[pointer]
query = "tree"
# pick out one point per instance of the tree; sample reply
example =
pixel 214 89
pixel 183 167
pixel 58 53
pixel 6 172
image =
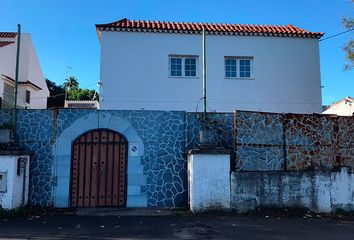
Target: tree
pixel 74 92
pixel 71 82
pixel 56 95
pixel 82 94
pixel 348 23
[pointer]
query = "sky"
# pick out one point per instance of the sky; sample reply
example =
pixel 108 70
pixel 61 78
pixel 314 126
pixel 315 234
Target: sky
pixel 65 37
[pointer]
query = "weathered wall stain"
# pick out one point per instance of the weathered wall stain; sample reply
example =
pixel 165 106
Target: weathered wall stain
pixel 318 190
pixel 270 141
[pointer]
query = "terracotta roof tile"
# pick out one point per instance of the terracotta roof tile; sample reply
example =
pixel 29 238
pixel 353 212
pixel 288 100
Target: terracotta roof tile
pixel 8 34
pixel 5 43
pixel 210 28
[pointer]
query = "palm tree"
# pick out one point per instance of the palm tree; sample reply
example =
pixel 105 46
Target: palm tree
pixel 71 82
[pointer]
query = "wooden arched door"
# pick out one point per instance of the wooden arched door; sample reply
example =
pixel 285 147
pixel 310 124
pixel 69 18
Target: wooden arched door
pixel 98 171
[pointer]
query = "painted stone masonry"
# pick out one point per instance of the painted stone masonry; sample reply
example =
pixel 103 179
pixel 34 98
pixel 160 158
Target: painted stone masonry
pixel 156 170
pixel 282 160
pixel 270 141
pixel 159 140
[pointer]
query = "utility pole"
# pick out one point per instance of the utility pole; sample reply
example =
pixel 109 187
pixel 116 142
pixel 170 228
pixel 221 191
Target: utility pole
pixel 14 114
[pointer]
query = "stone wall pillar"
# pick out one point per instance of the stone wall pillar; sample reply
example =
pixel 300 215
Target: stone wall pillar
pixel 209 180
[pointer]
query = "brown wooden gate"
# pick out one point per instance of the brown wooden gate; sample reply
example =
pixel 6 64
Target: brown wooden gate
pixel 98 177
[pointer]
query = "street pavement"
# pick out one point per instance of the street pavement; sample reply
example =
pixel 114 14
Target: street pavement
pixel 69 225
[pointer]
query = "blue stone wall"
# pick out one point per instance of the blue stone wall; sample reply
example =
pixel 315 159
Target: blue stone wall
pixel 163 135
pixel 219 129
pixel 166 135
pixel 5 116
pixel 35 131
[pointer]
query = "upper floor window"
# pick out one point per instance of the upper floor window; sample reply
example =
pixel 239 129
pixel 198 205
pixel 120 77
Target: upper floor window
pixel 28 96
pixel 183 66
pixel 238 67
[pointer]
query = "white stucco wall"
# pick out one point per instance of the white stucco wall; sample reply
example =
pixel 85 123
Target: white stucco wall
pixel 342 108
pixel 7 61
pixel 135 75
pixel 29 70
pixel 35 75
pixel 209 182
pixel 12 198
pixel 319 191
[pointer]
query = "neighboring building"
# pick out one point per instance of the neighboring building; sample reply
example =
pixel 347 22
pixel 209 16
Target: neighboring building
pixel 86 104
pixel 32 89
pixel 344 107
pixel 156 65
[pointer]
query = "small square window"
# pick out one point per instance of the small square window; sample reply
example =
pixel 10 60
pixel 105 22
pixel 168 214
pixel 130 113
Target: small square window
pixel 238 67
pixel 183 66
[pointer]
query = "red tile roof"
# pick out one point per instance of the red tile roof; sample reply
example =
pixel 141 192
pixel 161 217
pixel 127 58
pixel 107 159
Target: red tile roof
pixel 8 34
pixel 5 43
pixel 210 28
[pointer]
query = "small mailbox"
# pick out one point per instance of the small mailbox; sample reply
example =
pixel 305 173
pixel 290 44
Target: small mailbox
pixel 3 182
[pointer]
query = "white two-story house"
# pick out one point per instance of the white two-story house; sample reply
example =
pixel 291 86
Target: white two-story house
pixel 32 89
pixel 157 65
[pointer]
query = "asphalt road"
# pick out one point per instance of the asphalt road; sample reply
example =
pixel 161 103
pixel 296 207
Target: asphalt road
pixel 62 226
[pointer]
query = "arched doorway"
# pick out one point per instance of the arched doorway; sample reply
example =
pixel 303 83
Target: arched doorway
pixel 98 171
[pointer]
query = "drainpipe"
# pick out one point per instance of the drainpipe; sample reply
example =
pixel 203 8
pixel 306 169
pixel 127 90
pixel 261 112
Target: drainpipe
pixel 202 132
pixel 204 73
pixel 14 114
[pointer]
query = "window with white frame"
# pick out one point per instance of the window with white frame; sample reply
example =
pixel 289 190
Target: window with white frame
pixel 239 67
pixel 183 66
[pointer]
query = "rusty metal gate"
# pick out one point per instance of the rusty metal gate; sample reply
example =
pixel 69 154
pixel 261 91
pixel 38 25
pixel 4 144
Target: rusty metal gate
pixel 98 171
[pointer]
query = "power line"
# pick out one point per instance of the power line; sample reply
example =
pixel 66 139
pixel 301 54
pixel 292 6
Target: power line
pixel 335 35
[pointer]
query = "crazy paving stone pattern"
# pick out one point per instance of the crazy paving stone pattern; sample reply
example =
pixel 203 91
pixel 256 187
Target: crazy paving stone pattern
pixel 35 132
pixel 219 129
pixel 163 135
pixel 259 141
pixel 308 141
pixel 268 141
pixel 5 116
pixel 343 132
pixel 262 140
